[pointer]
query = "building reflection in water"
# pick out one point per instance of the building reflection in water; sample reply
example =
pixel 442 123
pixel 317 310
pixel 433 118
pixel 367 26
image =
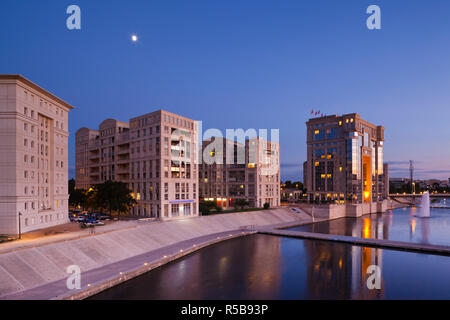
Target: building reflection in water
pixel 412 229
pixel 337 271
pixel 374 226
pixel 242 269
pixel 425 227
pixel 270 267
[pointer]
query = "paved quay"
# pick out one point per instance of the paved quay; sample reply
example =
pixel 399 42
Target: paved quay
pixel 37 269
pixel 377 243
pixel 63 232
pixel 27 270
pixel 97 280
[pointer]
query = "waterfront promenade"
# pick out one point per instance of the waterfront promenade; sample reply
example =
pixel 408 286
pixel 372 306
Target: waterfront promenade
pixel 38 271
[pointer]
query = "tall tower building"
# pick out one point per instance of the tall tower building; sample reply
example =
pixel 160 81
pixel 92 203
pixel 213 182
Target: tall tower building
pixel 34 160
pixel 154 154
pixel 345 160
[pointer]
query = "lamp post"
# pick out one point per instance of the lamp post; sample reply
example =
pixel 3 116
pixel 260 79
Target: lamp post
pixel 20 230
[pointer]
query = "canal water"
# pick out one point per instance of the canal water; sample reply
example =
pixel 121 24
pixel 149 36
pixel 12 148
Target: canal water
pixel 271 267
pixel 401 225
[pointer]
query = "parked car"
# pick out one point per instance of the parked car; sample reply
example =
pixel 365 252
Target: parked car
pixel 80 218
pixel 104 217
pixel 90 220
pixel 100 216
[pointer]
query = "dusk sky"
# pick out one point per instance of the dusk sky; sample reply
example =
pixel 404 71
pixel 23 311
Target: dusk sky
pixel 246 64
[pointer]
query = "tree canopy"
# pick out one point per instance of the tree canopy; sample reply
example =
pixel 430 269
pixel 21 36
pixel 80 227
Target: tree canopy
pixel 113 196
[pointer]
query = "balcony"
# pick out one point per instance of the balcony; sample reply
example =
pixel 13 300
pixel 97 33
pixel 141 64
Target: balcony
pixel 94 155
pixel 123 150
pixel 123 170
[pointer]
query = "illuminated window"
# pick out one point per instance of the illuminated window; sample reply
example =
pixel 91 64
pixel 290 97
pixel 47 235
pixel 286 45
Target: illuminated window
pixel 316 132
pixel 340 169
pixel 316 164
pixel 346 120
pixel 340 123
pixel 322 176
pixel 351 120
pixel 251 165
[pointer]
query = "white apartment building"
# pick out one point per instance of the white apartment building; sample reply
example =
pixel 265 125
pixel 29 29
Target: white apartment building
pixel 34 158
pixel 154 154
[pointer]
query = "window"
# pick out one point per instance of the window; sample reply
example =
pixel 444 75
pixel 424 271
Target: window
pixel 166 210
pixel 175 210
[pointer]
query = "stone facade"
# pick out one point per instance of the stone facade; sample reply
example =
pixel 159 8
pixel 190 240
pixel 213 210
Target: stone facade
pixel 34 162
pixel 154 154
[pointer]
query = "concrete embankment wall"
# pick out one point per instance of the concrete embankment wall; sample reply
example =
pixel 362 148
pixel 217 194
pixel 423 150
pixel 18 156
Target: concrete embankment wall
pixel 35 266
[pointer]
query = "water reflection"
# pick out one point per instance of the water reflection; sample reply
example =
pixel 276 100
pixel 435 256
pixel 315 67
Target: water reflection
pixel 336 271
pixel 425 227
pixel 269 267
pixel 402 225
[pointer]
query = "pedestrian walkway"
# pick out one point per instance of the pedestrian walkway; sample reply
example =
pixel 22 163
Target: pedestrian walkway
pixel 64 232
pixel 97 280
pixel 377 243
pixel 36 263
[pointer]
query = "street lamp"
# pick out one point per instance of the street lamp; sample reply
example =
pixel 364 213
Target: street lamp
pixel 20 230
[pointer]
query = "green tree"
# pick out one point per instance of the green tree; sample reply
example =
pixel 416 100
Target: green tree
pixel 71 185
pixel 293 185
pixel 115 196
pixel 93 201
